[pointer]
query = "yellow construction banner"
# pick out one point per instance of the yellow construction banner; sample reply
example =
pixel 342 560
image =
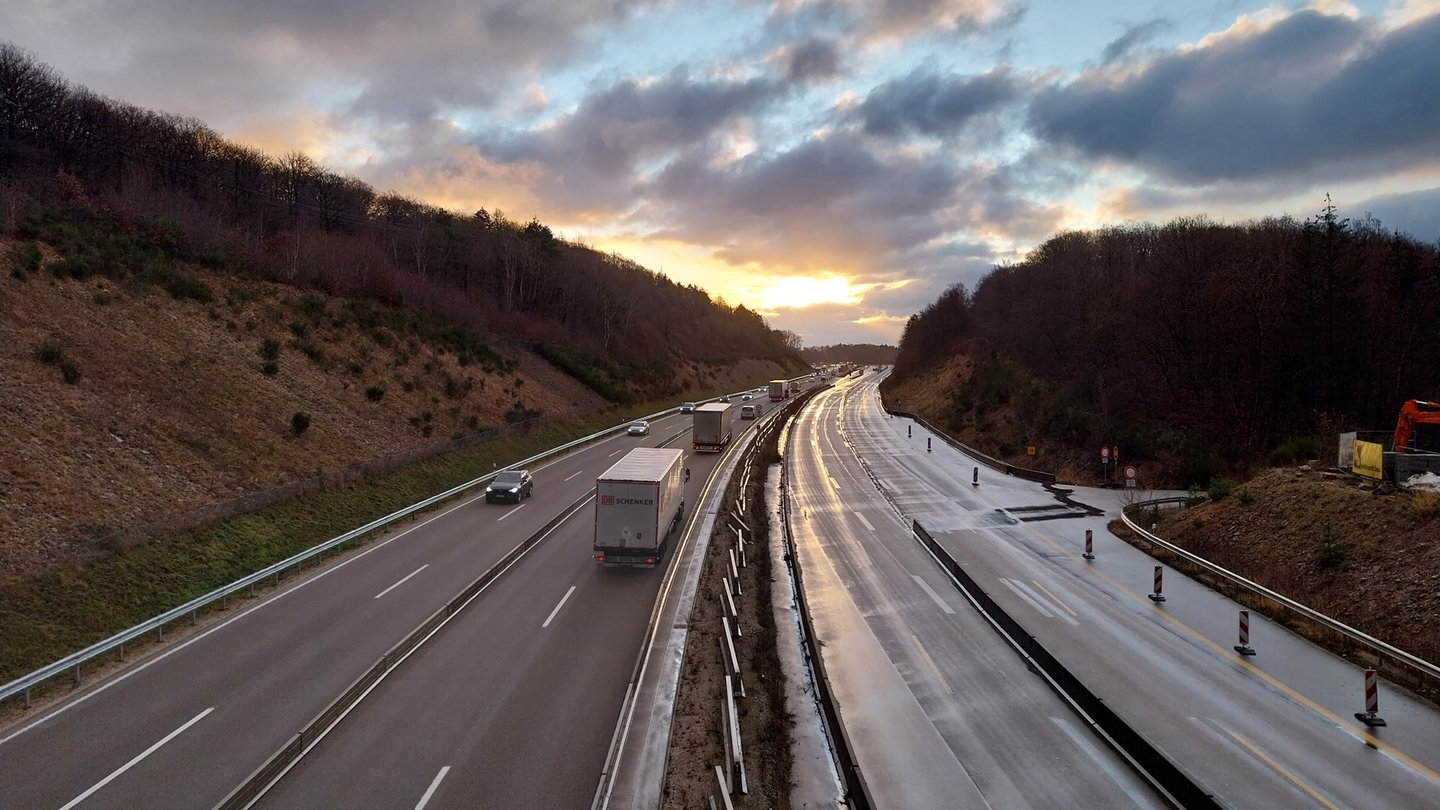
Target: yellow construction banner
pixel 1369 459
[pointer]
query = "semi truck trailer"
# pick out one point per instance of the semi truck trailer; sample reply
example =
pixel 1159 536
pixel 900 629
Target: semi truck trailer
pixel 710 432
pixel 777 390
pixel 639 502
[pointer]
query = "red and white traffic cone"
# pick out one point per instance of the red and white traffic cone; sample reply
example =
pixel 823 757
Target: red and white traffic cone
pixel 1244 647
pixel 1089 545
pixel 1372 702
pixel 1157 596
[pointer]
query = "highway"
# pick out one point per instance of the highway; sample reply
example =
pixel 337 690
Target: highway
pixel 943 712
pixel 184 726
pixel 1275 730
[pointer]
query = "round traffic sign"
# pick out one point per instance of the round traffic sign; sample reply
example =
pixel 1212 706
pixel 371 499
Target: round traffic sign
pixel 1130 472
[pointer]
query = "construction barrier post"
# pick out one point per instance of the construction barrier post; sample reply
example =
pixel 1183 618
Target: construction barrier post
pixel 1372 702
pixel 1089 544
pixel 1157 596
pixel 908 429
pixel 1244 647
pixel 975 477
pixel 927 444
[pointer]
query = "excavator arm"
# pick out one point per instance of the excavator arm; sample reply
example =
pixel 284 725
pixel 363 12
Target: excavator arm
pixel 1413 413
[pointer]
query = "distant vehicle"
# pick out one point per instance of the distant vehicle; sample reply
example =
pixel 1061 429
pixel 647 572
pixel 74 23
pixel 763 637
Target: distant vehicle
pixel 747 412
pixel 723 398
pixel 745 397
pixel 711 428
pixel 639 502
pixel 510 485
pixel 638 428
pixel 777 390
pixel 687 407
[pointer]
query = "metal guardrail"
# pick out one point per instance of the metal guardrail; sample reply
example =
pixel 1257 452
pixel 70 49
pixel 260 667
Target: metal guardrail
pixel 75 661
pixel 1038 476
pixel 1375 644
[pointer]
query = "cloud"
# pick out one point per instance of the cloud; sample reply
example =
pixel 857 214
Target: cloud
pixel 1305 93
pixel 1132 40
pixel 926 103
pixel 601 150
pixel 1416 213
pixel 814 59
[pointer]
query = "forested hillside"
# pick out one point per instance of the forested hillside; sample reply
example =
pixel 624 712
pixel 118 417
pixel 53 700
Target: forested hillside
pixel 861 353
pixel 102 181
pixel 1205 344
pixel 189 328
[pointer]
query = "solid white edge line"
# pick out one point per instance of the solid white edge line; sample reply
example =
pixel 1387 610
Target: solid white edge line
pixel 1101 761
pixel 510 512
pixel 923 584
pixel 572 475
pixel 402 580
pixel 138 668
pixel 132 763
pixel 434 785
pixel 563 600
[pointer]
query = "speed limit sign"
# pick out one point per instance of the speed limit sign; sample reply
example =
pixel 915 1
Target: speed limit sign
pixel 1130 475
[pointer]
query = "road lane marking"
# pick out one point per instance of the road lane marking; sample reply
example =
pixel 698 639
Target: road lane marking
pixel 1015 588
pixel 1278 768
pixel 571 475
pixel 618 452
pixel 1295 694
pixel 1102 762
pixel 1054 598
pixel 932 593
pixel 430 792
pixel 136 761
pixel 509 513
pixel 563 599
pixel 129 673
pixel 402 580
pixel 863 520
pixel 1038 598
pixel 931 662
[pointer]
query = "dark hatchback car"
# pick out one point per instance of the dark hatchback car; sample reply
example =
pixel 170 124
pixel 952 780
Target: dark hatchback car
pixel 510 485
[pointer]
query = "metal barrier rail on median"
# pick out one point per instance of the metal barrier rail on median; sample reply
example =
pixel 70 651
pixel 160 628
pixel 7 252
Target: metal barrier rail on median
pixel 117 642
pixel 263 777
pixel 1149 762
pixel 1379 647
pixel 1038 476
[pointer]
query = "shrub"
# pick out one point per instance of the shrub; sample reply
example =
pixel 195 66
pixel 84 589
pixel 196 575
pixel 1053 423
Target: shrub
pixel 182 286
pixel 270 349
pixel 270 369
pixel 1246 496
pixel 48 352
pixel 1328 552
pixel 1219 488
pixel 299 422
pixel 1426 502
pixel 25 260
pixel 375 393
pixel 70 372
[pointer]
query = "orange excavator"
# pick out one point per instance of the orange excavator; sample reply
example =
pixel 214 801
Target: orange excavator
pixel 1418 427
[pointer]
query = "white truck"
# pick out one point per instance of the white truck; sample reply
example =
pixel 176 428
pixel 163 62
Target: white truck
pixel 777 390
pixel 710 432
pixel 638 505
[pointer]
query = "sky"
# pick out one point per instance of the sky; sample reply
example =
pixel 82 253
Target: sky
pixel 831 164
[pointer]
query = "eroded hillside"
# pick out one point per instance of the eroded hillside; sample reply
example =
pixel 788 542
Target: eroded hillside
pixel 123 404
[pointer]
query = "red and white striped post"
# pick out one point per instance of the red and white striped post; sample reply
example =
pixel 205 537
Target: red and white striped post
pixel 1089 545
pixel 1372 702
pixel 1244 647
pixel 1157 596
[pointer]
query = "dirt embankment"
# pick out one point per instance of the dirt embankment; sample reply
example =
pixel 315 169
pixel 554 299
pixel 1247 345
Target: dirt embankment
pixel 1331 542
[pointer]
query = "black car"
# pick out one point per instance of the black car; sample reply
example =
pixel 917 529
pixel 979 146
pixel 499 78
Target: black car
pixel 510 485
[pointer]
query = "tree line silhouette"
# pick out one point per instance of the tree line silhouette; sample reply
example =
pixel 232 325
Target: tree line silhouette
pixel 68 155
pixel 1232 339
